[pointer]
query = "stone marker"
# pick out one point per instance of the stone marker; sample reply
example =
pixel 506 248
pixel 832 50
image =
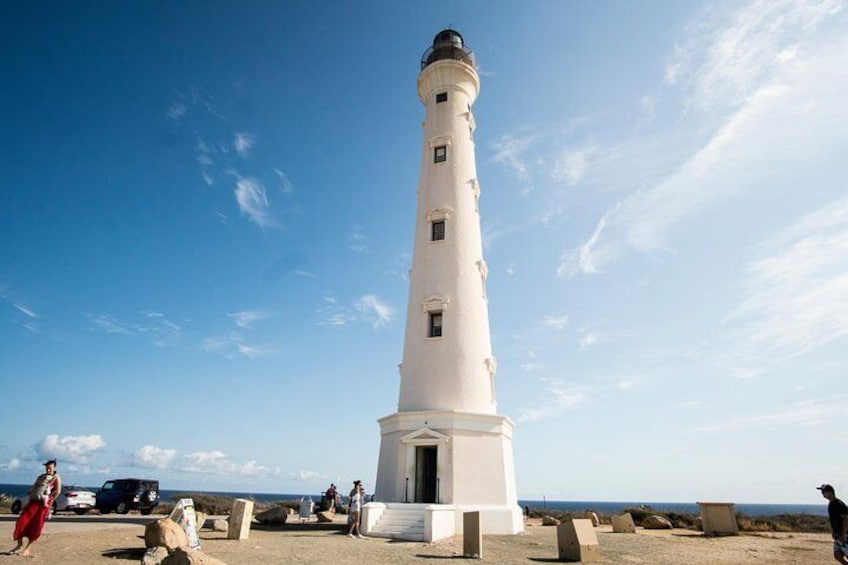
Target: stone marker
pixel 240 517
pixel 594 518
pixel 472 535
pixel 165 533
pixel 326 516
pixel 718 519
pixel 549 521
pixel 576 541
pixel 623 524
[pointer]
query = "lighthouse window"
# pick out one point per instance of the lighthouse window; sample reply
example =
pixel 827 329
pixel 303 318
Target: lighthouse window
pixel 441 97
pixel 440 154
pixel 437 231
pixel 435 324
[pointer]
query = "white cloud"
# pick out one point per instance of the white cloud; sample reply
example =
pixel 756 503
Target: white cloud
pixel 246 318
pixel 243 143
pixel 807 413
pixel 217 463
pixel 176 110
pixel 559 397
pixel 358 240
pixel 76 449
pixel 285 183
pixel 572 164
pixel 307 476
pixel 530 367
pixel 375 310
pixel 509 151
pixel 235 344
pixel 587 340
pixel 253 201
pixel 26 310
pixel 151 456
pixel 108 324
pixel 555 322
pixel 11 465
pixel 797 288
pixel 780 118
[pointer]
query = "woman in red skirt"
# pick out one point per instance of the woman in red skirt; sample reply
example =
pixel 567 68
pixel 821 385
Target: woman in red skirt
pixel 31 521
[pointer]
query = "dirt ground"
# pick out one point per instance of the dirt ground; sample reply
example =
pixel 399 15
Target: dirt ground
pixel 76 542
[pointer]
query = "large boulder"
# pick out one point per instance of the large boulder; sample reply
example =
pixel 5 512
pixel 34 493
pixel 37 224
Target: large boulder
pixel 325 516
pixel 154 556
pixel 220 525
pixel 274 516
pixel 549 521
pixel 165 533
pixel 655 522
pixel 190 557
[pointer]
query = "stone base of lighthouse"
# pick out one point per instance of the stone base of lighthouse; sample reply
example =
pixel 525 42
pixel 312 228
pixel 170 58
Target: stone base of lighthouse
pixel 447 462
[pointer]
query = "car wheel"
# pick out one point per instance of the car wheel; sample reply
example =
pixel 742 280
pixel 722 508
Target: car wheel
pixel 146 511
pixel 121 508
pixel 149 496
pixel 16 507
pixel 80 511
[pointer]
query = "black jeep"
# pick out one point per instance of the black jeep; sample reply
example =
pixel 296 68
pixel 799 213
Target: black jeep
pixel 123 495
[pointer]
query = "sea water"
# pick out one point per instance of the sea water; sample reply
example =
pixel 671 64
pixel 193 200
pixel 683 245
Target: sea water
pixel 575 506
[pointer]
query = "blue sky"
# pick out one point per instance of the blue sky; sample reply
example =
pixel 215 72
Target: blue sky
pixel 207 223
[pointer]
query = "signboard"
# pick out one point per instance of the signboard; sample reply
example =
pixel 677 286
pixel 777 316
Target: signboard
pixel 184 515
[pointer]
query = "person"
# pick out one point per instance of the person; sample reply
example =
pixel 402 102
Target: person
pixel 838 514
pixel 44 490
pixel 355 507
pixel 330 498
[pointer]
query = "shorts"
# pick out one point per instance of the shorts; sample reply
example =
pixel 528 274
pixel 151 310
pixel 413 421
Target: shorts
pixel 840 547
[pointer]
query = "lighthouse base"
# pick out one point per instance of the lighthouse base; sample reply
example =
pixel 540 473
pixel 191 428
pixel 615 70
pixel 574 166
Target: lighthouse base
pixel 453 461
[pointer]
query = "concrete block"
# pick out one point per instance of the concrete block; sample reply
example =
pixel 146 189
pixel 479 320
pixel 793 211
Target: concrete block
pixel 718 519
pixel 623 524
pixel 577 541
pixel 472 535
pixel 240 517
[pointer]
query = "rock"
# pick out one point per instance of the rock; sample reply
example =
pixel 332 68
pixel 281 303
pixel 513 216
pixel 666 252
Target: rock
pixel 220 525
pixel 274 516
pixel 594 518
pixel 165 533
pixel 655 522
pixel 549 521
pixel 325 516
pixel 191 557
pixel 290 511
pixel 154 555
pixel 201 519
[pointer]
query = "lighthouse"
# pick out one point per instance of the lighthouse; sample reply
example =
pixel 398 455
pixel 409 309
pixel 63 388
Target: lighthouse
pixel 446 450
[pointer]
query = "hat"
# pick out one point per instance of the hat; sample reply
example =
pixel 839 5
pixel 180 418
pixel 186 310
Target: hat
pixel 49 462
pixel 826 487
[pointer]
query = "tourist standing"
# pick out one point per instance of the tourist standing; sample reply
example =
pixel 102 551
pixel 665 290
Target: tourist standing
pixel 44 490
pixel 838 514
pixel 330 498
pixel 354 509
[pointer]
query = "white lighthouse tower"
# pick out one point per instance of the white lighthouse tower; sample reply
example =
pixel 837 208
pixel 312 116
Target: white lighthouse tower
pixel 446 450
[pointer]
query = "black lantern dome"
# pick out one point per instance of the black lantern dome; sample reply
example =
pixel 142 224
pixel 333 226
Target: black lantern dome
pixel 448 44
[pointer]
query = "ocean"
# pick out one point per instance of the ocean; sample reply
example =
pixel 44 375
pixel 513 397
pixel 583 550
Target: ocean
pixel 604 507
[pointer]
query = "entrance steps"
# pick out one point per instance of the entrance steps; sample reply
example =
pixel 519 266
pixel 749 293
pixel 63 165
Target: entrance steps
pixel 400 521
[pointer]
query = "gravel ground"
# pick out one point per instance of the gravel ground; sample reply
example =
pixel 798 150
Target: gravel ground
pixel 76 542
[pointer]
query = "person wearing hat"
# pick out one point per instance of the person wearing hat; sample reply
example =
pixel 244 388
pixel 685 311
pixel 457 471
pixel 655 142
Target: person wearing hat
pixel 838 514
pixel 44 490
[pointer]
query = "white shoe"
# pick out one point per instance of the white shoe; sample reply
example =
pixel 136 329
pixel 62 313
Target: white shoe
pixel 360 536
pixel 350 535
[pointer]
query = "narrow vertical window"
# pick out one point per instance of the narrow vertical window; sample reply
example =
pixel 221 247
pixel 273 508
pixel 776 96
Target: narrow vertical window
pixel 441 97
pixel 437 231
pixel 435 324
pixel 440 154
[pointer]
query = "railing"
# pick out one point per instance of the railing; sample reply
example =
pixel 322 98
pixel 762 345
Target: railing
pixel 406 491
pixel 433 54
pixel 438 498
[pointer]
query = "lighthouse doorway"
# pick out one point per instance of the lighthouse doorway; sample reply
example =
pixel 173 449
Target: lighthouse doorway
pixel 426 482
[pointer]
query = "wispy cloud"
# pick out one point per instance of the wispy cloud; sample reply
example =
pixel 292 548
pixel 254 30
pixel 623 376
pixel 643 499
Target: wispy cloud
pixel 555 322
pixel 11 465
pixel 253 202
pixel 572 164
pixel 243 143
pixel 76 449
pixel 150 456
pixel 176 110
pixel 110 325
pixel 285 184
pixel 510 152
pixel 797 288
pixel 808 413
pixel 374 310
pixel 559 397
pixel 234 345
pixel 307 476
pixel 587 340
pixel 357 240
pixel 773 86
pixel 246 318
